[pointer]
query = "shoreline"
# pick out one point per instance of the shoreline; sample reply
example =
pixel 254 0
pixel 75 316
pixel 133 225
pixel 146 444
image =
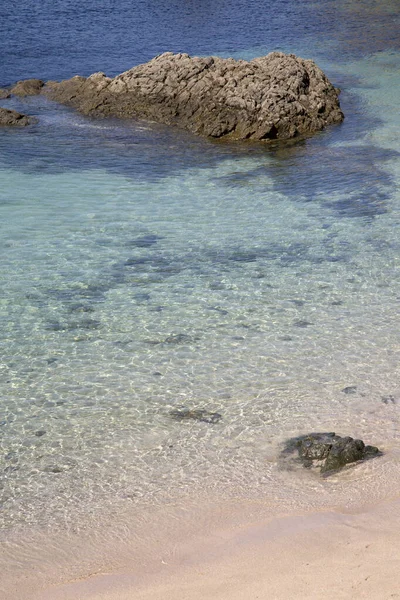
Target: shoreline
pixel 352 554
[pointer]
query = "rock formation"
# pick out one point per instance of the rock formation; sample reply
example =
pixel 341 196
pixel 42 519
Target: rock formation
pixel 27 87
pixel 327 451
pixel 278 96
pixel 12 118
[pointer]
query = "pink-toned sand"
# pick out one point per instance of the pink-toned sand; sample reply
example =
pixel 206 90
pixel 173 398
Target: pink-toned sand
pixel 315 556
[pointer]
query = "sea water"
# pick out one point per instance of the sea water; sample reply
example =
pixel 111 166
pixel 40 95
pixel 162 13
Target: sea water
pixel 144 270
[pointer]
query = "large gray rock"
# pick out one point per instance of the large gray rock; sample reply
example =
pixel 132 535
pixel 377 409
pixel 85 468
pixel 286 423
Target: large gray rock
pixel 327 451
pixel 12 118
pixel 278 96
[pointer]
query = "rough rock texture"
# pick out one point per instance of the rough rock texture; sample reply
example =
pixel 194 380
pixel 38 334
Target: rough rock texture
pixel 4 93
pixel 27 87
pixel 328 451
pixel 11 118
pixel 277 96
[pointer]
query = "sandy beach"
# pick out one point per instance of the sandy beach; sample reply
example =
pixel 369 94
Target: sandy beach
pixel 326 554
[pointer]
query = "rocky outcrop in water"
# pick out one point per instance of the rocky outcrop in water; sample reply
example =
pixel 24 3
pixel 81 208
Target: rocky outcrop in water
pixel 4 93
pixel 12 118
pixel 278 96
pixel 27 87
pixel 327 451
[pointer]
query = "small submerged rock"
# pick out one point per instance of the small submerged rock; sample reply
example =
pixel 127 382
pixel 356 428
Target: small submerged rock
pixel 179 338
pixel 79 307
pixel 53 469
pixel 327 451
pixel 12 118
pixel 60 465
pixel 388 399
pixel 145 241
pixel 40 432
pixel 13 456
pixel 83 324
pixel 302 323
pixel 217 309
pixel 51 360
pixel 350 389
pixel 195 414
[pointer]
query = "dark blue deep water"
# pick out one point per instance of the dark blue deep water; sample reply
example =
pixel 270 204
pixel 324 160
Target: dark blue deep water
pixel 145 270
pixel 54 39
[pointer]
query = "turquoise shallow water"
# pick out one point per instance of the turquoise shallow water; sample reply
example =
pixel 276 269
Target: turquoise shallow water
pixel 259 286
pixel 144 270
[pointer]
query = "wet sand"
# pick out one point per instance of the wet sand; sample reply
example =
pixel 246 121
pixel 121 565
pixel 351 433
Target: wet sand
pixel 325 554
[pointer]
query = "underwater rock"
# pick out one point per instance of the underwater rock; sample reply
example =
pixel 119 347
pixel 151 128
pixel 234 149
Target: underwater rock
pixel 4 93
pixel 40 433
pixel 243 256
pixel 12 118
pixel 278 96
pixel 196 414
pixel 327 451
pixel 84 324
pixel 217 309
pixel 63 464
pixel 302 324
pixel 132 262
pixel 350 389
pixel 146 241
pixel 179 338
pixel 80 308
pixel 27 87
pixel 388 399
pixel 53 469
pixel 142 297
pixel 13 456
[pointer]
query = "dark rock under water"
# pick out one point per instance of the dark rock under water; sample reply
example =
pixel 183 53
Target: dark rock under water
pixel 196 414
pixel 350 389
